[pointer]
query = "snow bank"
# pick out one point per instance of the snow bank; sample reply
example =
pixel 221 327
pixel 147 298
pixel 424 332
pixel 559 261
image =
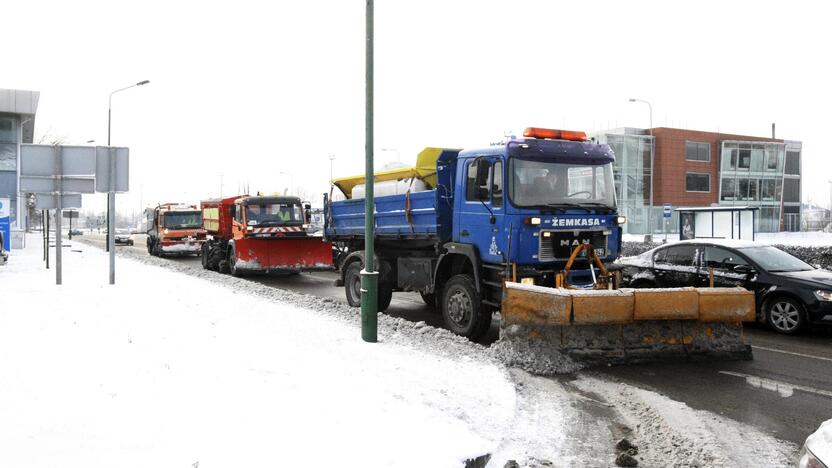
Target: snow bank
pixel 164 369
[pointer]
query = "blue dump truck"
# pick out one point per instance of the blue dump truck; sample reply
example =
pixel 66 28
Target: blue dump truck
pixel 461 222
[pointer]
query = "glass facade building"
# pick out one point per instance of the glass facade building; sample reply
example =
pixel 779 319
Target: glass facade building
pixel 764 175
pixel 632 171
pixel 694 169
pixel 17 124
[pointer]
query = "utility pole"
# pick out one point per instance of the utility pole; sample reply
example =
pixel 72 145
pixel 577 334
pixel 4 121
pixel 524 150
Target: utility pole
pixel 369 277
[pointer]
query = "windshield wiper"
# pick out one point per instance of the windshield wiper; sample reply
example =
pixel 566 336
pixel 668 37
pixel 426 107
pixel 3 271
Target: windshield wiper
pixel 565 205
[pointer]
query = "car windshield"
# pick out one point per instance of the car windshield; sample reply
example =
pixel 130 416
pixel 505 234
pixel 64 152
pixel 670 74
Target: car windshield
pixel 773 259
pixel 183 220
pixel 274 214
pixel 535 183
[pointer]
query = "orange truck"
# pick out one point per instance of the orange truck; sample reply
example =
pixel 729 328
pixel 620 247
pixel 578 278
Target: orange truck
pixel 174 229
pixel 261 234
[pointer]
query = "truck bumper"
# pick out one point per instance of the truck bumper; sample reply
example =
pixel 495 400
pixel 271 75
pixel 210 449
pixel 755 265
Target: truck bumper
pixel 306 254
pixel 182 248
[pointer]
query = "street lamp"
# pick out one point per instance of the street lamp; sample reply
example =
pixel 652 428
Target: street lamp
pixel 110 196
pixel 331 159
pixel 652 170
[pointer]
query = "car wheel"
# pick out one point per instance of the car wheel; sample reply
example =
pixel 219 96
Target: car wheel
pixel 785 315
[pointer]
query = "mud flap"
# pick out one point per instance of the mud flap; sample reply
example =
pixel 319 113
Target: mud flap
pixel 599 327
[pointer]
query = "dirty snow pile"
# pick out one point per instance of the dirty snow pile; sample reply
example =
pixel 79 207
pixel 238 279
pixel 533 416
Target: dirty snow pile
pixel 669 433
pixel 164 369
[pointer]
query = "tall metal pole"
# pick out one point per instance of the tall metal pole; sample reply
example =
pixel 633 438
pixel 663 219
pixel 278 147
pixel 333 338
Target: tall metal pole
pixel 59 170
pixel 111 203
pixel 109 122
pixel 111 222
pixel 652 168
pixel 369 277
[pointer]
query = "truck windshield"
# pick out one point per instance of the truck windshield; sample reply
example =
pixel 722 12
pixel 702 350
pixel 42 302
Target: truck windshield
pixel 536 183
pixel 183 220
pixel 274 214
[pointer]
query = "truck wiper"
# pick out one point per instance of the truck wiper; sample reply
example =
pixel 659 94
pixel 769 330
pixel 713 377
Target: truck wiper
pixel 564 205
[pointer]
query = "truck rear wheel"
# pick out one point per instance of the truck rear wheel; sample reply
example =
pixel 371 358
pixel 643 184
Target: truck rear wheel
pixel 461 308
pixel 352 287
pixel 206 257
pixel 352 284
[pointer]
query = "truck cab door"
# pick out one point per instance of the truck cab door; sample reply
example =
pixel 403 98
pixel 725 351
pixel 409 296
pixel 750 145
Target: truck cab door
pixel 237 226
pixel 481 219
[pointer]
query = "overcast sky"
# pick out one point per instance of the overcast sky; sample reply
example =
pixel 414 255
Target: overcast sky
pixel 261 93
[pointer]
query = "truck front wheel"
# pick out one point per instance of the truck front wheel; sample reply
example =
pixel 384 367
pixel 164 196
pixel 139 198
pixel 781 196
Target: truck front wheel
pixel 461 308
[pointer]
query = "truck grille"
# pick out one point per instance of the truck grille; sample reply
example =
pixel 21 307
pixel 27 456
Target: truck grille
pixel 558 245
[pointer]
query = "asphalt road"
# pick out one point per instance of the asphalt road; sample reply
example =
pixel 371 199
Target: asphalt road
pixel 786 390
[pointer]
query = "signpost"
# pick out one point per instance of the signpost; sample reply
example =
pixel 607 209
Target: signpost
pixel 112 175
pixel 58 175
pixel 668 213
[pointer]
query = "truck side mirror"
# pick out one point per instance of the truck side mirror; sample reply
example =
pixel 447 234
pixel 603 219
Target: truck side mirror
pixel 307 213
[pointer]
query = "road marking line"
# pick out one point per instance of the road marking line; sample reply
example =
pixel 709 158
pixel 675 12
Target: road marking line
pixel 783 388
pixel 792 353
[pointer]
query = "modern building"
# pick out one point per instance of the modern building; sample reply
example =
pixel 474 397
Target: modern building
pixel 17 126
pixel 694 168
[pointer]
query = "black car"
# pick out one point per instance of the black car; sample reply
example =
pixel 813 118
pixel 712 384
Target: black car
pixel 789 293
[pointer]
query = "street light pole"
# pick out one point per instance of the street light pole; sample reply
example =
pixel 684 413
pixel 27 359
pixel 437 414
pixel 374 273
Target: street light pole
pixel 110 195
pixel 652 169
pixel 331 159
pixel 369 277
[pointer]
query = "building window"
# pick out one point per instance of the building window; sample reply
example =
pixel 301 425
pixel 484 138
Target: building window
pixel 793 162
pixel 729 189
pixel 791 190
pixel 745 159
pixel 695 182
pixel 8 133
pixel 696 151
pixel 8 157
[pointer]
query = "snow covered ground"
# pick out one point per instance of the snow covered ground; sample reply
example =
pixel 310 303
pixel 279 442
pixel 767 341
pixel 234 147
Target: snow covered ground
pixel 805 239
pixel 174 366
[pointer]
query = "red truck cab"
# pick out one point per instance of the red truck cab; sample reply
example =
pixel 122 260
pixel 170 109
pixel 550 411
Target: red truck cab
pixel 261 234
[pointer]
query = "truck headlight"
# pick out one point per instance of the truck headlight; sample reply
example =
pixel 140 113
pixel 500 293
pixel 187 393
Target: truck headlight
pixel 823 295
pixel 620 219
pixel 165 231
pixel 533 220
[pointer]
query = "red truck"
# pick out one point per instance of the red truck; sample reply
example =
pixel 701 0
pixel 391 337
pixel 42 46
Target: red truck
pixel 250 234
pixel 174 229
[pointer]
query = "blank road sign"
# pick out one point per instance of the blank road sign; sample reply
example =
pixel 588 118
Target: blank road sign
pixel 102 172
pixel 39 160
pixel 49 185
pixel 50 202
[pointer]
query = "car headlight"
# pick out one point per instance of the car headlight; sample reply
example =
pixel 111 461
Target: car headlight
pixel 823 295
pixel 807 459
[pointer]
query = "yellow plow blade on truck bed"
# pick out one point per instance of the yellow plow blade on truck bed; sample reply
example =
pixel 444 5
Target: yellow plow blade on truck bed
pixel 622 326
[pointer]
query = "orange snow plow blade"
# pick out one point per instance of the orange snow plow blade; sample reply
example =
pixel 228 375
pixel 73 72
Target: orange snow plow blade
pixel 618 326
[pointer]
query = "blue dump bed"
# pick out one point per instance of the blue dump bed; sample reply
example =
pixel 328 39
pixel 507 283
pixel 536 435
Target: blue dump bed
pixel 397 217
